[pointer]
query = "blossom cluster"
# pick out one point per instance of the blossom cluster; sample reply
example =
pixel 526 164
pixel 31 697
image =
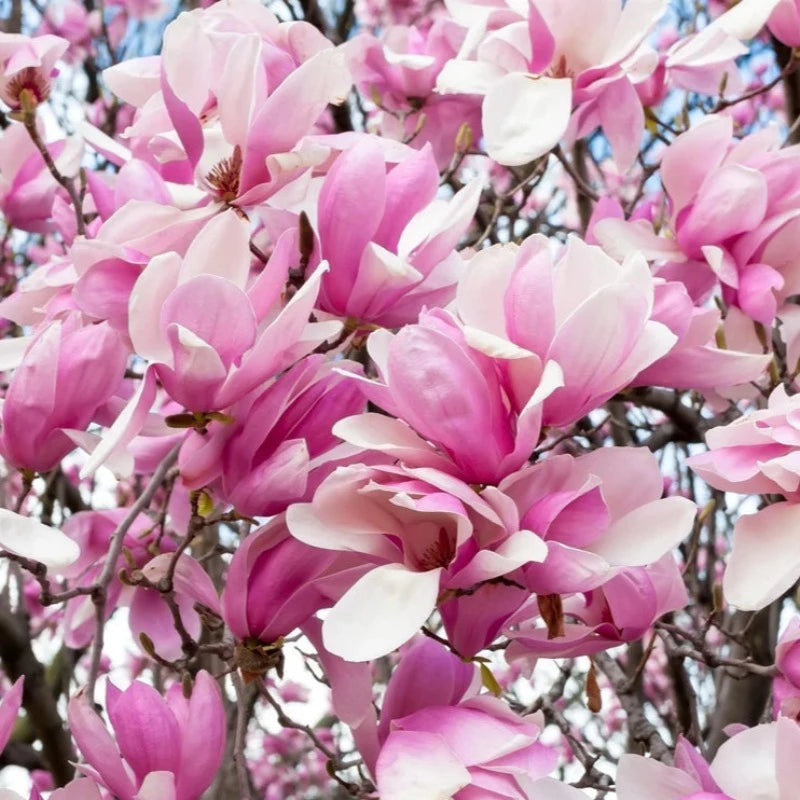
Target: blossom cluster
pixel 315 386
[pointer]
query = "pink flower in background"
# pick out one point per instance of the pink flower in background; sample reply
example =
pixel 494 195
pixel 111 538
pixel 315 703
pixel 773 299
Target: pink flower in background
pixel 27 65
pixel 400 70
pixel 165 747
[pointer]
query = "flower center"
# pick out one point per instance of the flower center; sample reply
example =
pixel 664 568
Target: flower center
pixel 224 176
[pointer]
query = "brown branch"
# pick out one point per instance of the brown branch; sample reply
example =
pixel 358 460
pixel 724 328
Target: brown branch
pixel 37 698
pixel 99 593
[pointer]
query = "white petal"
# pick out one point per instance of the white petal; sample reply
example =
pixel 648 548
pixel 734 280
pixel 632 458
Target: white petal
pixel 765 560
pixel 744 766
pixel 746 18
pixel 12 351
pixel 28 538
pixel 524 117
pixel 637 776
pixel 648 532
pixel 380 612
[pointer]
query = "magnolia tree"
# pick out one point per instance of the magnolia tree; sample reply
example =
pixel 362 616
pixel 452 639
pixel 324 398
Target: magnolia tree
pixel 400 400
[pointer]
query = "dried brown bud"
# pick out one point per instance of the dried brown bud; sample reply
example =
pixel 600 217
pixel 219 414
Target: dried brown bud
pixel 552 612
pixel 594 701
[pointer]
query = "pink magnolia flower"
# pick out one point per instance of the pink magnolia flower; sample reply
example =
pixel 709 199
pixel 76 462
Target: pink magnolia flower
pixel 757 453
pixel 622 610
pixel 27 66
pixel 425 533
pixel 400 68
pixel 584 311
pixel 401 255
pixel 280 446
pixel 71 20
pixel 67 372
pixel 786 685
pixel 226 83
pixel 757 762
pixel 599 514
pixel 747 249
pixel 538 69
pixel 275 583
pixel 210 337
pixel 478 748
pixel 445 386
pixel 171 745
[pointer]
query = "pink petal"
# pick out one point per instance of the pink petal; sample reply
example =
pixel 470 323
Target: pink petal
pixel 98 748
pixel 414 765
pixel 147 731
pixel 9 709
pixel 203 738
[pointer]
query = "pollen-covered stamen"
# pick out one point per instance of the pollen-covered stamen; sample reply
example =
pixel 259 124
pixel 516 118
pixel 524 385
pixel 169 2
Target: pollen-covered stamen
pixel 30 80
pixel 224 176
pixel 439 553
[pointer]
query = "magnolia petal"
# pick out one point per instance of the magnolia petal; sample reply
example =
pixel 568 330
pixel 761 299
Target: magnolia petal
pixel 765 560
pixel 28 538
pixel 637 776
pixel 753 749
pixel 12 351
pixel 645 534
pixel 380 612
pixel 415 765
pixel 157 786
pixel 9 708
pixel 525 117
